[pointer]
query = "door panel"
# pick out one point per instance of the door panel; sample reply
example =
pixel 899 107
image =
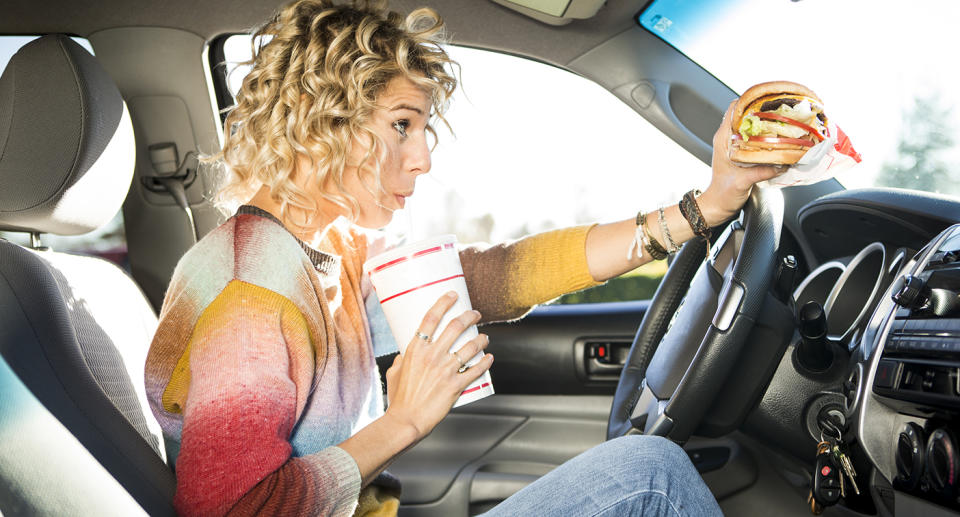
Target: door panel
pixel 531 434
pixel 545 353
pixel 549 407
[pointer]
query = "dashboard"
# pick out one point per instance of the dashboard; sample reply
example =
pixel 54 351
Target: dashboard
pixel 908 383
pixel 888 283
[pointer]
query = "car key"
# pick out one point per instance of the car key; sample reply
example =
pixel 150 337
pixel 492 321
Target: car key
pixel 826 479
pixel 844 461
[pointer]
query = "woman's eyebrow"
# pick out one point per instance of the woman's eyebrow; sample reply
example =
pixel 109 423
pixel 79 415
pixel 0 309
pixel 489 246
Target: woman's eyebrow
pixel 407 107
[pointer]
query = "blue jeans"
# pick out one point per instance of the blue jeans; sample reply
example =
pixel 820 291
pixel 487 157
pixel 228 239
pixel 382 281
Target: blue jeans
pixel 631 475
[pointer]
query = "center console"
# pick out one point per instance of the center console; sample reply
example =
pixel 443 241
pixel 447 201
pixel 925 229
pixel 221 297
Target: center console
pixel 918 375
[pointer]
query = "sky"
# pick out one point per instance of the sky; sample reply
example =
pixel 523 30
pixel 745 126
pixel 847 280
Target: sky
pixel 866 59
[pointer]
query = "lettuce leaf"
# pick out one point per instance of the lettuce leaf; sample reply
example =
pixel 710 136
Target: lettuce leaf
pixel 752 125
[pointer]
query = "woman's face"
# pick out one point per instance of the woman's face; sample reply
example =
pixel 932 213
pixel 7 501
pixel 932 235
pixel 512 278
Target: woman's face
pixel 401 123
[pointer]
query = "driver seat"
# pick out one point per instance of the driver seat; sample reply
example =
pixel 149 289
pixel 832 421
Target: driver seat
pixel 76 433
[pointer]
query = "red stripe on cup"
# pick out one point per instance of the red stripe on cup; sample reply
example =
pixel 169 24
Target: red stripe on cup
pixel 401 260
pixel 427 251
pixel 475 388
pixel 393 262
pixel 387 299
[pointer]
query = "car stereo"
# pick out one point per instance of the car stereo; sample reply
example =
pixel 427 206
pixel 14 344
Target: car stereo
pixel 921 353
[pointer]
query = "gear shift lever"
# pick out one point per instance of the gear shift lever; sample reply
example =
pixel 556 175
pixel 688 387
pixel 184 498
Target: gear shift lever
pixel 814 353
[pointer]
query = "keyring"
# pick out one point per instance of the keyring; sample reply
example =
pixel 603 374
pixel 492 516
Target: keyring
pixel 832 428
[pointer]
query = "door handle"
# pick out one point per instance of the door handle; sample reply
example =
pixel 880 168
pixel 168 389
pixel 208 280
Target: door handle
pixel 601 359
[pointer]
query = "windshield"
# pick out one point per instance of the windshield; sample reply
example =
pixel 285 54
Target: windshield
pixel 885 71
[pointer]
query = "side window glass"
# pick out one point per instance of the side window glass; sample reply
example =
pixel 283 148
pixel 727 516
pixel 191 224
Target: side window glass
pixel 108 241
pixel 533 148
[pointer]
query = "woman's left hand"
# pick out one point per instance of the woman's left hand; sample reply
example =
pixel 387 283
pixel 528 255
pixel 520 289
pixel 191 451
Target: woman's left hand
pixel 730 184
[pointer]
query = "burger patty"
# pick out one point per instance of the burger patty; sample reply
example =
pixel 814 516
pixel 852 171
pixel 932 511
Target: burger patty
pixel 776 103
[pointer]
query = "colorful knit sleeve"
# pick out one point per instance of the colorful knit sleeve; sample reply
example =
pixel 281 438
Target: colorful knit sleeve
pixel 242 385
pixel 507 280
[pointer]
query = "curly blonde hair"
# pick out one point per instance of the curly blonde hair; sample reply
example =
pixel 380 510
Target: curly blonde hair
pixel 317 71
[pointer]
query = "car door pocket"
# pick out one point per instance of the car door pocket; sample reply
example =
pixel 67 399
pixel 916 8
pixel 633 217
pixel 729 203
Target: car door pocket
pixel 601 359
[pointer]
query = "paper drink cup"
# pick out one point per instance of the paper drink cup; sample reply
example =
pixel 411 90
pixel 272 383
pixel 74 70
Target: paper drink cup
pixel 409 280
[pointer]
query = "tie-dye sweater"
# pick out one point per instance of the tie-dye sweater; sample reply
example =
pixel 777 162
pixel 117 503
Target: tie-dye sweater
pixel 263 362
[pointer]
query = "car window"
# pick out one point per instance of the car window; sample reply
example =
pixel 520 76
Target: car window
pixel 107 241
pixel 881 68
pixel 533 148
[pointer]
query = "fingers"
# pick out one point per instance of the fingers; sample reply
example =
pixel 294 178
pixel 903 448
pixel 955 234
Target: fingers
pixel 471 355
pixel 431 320
pixel 473 373
pixel 722 137
pixel 766 172
pixel 471 349
pixel 721 145
pixel 728 115
pixel 456 327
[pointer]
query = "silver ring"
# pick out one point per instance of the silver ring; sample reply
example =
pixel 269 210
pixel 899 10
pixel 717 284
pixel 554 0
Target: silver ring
pixel 424 337
pixel 463 367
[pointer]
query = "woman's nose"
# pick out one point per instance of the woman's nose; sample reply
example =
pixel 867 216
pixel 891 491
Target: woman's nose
pixel 418 157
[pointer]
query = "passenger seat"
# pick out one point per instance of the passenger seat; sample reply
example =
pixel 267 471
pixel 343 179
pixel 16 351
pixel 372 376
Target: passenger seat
pixel 74 330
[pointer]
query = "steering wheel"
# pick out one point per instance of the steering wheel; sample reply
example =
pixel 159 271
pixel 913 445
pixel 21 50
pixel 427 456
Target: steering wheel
pixel 698 321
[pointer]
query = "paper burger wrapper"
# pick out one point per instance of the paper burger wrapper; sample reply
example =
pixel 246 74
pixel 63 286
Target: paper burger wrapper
pixel 825 160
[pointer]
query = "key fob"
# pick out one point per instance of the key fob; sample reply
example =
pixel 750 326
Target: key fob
pixel 826 480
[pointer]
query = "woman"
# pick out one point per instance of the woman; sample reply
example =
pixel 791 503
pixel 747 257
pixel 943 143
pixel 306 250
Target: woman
pixel 262 367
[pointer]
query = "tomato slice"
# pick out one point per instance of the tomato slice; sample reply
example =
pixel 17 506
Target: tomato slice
pixel 774 140
pixel 788 120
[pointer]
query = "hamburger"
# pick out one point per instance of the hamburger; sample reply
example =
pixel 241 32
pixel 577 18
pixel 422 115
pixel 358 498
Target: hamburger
pixel 776 123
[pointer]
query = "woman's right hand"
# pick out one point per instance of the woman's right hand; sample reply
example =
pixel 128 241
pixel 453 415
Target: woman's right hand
pixel 424 383
pixel 730 183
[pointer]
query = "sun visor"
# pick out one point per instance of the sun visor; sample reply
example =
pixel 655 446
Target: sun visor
pixel 554 12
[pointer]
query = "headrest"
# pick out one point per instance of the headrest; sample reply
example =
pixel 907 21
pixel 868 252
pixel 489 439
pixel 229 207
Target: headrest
pixel 67 150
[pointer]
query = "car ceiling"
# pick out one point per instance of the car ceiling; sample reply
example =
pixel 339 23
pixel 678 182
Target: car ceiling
pixel 502 29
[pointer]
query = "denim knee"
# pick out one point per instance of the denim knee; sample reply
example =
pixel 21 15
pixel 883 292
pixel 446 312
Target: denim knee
pixel 632 475
pixel 655 448
pixel 641 453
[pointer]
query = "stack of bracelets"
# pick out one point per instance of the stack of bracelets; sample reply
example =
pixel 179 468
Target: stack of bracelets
pixel 691 212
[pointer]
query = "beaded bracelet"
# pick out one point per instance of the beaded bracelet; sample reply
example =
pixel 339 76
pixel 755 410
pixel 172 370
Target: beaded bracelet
pixel 691 212
pixel 654 248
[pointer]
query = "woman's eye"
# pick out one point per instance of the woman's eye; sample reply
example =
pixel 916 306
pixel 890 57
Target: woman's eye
pixel 401 127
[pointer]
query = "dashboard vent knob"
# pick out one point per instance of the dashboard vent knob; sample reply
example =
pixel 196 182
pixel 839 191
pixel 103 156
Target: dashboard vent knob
pixel 910 456
pixel 911 292
pixel 942 460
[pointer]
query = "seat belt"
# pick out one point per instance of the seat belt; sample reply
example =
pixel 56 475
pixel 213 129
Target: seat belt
pixel 173 176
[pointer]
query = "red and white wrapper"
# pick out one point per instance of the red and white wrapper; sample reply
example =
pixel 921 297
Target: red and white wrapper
pixel 825 160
